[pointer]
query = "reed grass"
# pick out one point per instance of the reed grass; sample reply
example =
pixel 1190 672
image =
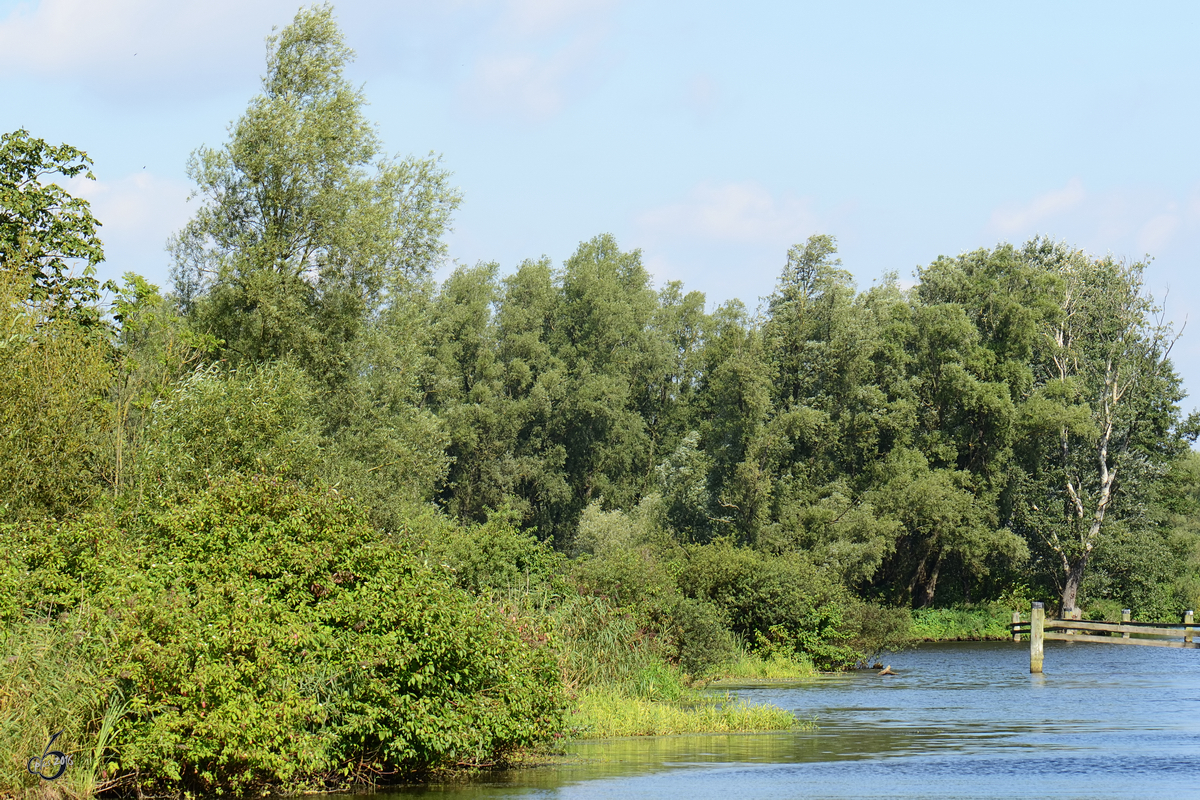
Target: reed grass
pixel 49 683
pixel 604 712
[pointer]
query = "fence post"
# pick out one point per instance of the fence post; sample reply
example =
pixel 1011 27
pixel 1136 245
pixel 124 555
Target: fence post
pixel 1037 622
pixel 1188 620
pixel 1016 622
pixel 1125 617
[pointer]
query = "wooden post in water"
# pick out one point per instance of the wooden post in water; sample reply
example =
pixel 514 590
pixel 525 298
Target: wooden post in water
pixel 1037 623
pixel 1016 621
pixel 1188 621
pixel 1125 617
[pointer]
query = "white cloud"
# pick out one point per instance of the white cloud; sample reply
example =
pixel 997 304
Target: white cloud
pixel 125 46
pixel 1043 208
pixel 733 212
pixel 137 214
pixel 1129 221
pixel 538 56
pixel 528 84
pixel 1156 234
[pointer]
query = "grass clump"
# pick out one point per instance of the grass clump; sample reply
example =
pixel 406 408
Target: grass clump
pixel 603 712
pixel 751 665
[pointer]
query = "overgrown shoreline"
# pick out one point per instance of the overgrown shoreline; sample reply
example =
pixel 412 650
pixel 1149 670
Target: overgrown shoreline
pixel 309 518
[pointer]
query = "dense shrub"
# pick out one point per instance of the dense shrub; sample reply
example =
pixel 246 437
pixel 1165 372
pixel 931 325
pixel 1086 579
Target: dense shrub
pixel 487 558
pixel 265 635
pixel 773 602
pixel 702 638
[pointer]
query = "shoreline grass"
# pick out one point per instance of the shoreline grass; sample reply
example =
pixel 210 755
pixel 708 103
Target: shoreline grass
pixel 746 665
pixel 602 713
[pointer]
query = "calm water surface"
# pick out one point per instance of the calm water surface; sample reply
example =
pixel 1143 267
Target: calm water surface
pixel 959 720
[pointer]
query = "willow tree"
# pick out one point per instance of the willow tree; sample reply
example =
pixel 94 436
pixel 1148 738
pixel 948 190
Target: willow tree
pixel 306 230
pixel 1103 420
pixel 311 244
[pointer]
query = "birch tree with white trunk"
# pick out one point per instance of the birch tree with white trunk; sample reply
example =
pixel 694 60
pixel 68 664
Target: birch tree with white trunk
pixel 1106 400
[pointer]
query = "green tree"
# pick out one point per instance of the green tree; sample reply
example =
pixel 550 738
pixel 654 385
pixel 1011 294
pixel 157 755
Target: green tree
pixel 305 231
pixel 1105 412
pixel 312 245
pixel 45 233
pixel 54 416
pixel 55 342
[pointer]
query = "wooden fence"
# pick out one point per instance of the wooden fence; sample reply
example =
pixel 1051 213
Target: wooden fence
pixel 1156 634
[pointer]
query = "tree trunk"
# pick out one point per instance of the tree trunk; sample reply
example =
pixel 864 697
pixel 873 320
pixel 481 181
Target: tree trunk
pixel 1071 587
pixel 927 582
pixel 931 584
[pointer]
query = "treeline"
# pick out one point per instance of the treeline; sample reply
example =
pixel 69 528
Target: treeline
pixel 1008 425
pixel 310 518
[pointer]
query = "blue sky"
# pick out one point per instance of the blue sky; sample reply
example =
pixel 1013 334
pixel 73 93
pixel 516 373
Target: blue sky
pixel 710 135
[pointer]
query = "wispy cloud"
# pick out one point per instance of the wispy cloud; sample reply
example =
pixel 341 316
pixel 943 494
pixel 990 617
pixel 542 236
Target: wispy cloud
pixel 538 56
pixel 137 214
pixel 733 212
pixel 127 46
pixel 1043 208
pixel 1129 221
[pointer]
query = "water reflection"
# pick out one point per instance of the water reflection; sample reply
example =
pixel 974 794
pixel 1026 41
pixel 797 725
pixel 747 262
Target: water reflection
pixel 958 720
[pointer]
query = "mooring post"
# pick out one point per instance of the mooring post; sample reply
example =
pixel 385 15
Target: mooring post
pixel 1188 621
pixel 1125 617
pixel 1037 622
pixel 1016 622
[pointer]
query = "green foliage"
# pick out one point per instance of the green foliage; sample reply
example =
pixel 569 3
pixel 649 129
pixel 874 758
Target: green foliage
pixel 494 556
pixel 703 638
pixel 218 421
pixel 778 603
pixel 54 418
pixel 299 241
pixel 51 680
pixel 310 246
pixel 44 231
pixel 745 664
pixel 964 622
pixel 264 635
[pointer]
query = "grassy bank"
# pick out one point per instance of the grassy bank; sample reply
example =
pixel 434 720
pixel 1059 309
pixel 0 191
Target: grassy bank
pixel 600 713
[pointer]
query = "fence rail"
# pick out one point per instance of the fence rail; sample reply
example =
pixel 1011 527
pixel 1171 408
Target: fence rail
pixel 1154 634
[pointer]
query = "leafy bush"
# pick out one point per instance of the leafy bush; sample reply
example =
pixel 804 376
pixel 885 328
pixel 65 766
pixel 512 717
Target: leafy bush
pixel 874 628
pixel 265 635
pixel 702 637
pixel 964 622
pixel 776 603
pixel 217 421
pixel 487 558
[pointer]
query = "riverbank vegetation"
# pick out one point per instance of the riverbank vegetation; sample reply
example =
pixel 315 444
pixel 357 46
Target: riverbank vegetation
pixel 309 519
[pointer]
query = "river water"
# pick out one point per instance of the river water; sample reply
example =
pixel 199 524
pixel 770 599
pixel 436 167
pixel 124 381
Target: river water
pixel 959 720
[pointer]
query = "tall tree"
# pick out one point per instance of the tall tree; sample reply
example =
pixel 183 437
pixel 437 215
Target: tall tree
pixel 305 229
pixel 55 340
pixel 1104 418
pixel 312 244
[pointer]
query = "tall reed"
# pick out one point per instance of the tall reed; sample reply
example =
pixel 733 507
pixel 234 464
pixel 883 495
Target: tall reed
pixel 49 682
